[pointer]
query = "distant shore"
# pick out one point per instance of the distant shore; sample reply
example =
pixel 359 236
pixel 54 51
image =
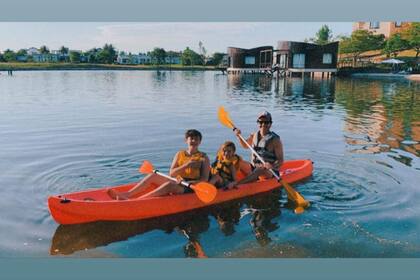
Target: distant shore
pixel 413 77
pixel 4 66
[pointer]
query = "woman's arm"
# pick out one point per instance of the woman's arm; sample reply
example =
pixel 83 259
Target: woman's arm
pixel 243 144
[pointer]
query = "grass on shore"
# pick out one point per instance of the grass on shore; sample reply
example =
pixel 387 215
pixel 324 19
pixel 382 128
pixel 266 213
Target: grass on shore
pixel 4 66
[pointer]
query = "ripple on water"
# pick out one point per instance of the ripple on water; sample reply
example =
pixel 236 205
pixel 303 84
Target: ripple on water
pixel 338 191
pixel 353 185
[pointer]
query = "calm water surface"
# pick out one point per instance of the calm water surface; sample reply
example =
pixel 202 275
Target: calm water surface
pixel 68 131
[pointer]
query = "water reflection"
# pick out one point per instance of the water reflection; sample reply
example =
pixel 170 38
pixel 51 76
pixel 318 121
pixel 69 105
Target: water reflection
pixel 264 210
pixel 69 239
pixel 380 116
pixel 227 217
pixel 250 83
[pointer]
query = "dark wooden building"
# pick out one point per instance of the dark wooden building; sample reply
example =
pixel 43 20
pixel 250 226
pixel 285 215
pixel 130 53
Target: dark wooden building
pixel 299 57
pixel 256 60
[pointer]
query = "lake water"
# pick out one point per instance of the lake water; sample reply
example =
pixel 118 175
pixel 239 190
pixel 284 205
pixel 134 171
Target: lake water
pixel 68 131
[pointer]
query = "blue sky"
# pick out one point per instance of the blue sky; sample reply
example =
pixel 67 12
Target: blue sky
pixel 143 37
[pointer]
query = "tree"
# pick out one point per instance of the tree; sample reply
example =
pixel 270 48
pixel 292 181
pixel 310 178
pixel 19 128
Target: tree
pixel 412 35
pixel 158 56
pixel 217 58
pixel 74 56
pixel 190 57
pixel 202 50
pixel 64 50
pixel 21 52
pixel 64 53
pixel 9 55
pixel 323 36
pixel 394 44
pixel 44 50
pixel 92 55
pixel 172 55
pixel 107 54
pixel 360 41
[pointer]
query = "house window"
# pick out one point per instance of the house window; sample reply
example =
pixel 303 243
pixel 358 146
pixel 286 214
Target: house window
pixel 299 60
pixel 374 25
pixel 282 62
pixel 398 23
pixel 249 60
pixel 327 58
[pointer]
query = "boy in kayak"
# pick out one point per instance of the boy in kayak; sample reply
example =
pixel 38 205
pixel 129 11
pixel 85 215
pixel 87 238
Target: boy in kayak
pixel 268 145
pixel 225 167
pixel 190 165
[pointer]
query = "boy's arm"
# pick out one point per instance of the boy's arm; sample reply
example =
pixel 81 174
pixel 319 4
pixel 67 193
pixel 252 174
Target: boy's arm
pixel 175 169
pixel 205 169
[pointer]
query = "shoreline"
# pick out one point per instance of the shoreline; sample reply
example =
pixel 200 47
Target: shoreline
pixel 95 67
pixel 411 77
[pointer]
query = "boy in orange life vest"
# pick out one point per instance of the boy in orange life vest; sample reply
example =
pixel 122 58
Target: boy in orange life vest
pixel 190 165
pixel 268 145
pixel 225 167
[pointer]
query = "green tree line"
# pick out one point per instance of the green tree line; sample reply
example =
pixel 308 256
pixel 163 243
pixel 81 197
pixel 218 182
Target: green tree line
pixel 361 41
pixel 108 55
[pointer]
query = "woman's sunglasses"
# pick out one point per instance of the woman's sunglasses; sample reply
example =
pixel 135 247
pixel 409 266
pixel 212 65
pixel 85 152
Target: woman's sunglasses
pixel 264 122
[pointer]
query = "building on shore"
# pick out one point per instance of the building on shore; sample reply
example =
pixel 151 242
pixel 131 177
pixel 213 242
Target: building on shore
pixel 386 28
pixel 289 59
pixel 140 58
pixel 305 58
pixel 256 60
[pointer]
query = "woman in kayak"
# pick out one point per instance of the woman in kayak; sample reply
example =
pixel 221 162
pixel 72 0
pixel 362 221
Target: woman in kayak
pixel 226 166
pixel 190 165
pixel 267 144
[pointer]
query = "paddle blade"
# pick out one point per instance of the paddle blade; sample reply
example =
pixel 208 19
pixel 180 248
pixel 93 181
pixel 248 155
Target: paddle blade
pixel 206 192
pixel 199 250
pixel 146 167
pixel 293 195
pixel 224 118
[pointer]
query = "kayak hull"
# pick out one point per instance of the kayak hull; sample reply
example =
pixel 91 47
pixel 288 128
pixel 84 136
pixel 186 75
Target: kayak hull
pixel 96 205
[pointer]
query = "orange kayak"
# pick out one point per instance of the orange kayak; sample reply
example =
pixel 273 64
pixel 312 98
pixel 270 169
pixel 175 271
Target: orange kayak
pixel 97 205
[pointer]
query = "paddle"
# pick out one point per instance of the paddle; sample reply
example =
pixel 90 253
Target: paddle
pixel 206 192
pixel 197 247
pixel 291 193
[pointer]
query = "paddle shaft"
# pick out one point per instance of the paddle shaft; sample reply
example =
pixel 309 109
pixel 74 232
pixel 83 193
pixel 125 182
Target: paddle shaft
pixel 188 185
pixel 257 155
pixel 292 193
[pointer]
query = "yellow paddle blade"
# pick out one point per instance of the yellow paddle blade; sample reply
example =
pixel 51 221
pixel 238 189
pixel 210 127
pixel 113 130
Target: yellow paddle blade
pixel 224 118
pixel 206 192
pixel 293 195
pixel 146 167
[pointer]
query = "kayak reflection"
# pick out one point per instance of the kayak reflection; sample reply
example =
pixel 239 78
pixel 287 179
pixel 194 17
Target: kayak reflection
pixel 69 239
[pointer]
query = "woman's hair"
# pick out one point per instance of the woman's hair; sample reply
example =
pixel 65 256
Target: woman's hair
pixel 193 133
pixel 227 144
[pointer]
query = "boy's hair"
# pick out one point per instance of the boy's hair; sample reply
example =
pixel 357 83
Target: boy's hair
pixel 193 133
pixel 227 144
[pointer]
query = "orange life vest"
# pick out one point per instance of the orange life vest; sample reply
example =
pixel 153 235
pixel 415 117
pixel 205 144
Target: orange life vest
pixel 221 166
pixel 190 173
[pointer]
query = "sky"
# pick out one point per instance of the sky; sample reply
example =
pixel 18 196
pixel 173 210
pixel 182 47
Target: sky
pixel 143 36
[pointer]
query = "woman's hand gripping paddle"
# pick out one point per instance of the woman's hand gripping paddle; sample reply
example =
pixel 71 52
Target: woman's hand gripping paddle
pixel 292 194
pixel 206 192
